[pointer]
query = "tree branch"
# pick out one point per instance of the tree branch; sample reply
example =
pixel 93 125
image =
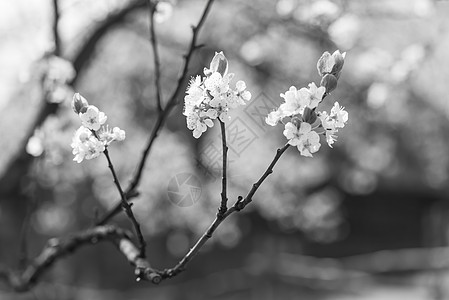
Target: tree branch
pixel 161 117
pixel 127 206
pixel 56 36
pixel 157 67
pixel 59 248
pixel 224 199
pixel 172 101
pixel 239 205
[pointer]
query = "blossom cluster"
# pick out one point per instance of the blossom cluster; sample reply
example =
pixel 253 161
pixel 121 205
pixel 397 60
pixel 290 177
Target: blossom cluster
pixel 93 136
pixel 212 97
pixel 303 124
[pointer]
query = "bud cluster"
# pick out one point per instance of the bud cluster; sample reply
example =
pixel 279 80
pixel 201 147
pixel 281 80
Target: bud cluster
pixel 211 97
pixel 304 125
pixel 329 67
pixel 93 136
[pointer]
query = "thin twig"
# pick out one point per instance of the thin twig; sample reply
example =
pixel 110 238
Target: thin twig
pixel 23 246
pixel 131 190
pixel 157 66
pixel 127 206
pixel 224 199
pixel 56 36
pixel 188 56
pixel 239 205
pixel 172 101
pixel 59 248
pixel 169 273
pixel 161 116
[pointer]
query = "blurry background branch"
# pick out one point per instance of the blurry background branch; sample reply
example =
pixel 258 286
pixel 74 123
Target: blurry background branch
pixel 114 19
pixel 19 159
pixel 362 266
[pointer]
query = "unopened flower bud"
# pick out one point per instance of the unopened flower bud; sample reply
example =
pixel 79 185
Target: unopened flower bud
pixel 79 104
pixel 329 81
pixel 339 60
pixel 325 64
pixel 331 64
pixel 219 64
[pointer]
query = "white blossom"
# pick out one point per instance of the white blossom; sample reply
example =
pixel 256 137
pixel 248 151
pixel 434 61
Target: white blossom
pixel 212 97
pixel 93 136
pixel 339 115
pixel 303 123
pixel 306 140
pixel 274 117
pixel 93 118
pixel 85 145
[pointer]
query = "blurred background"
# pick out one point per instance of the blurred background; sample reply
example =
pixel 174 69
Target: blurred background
pixel 367 219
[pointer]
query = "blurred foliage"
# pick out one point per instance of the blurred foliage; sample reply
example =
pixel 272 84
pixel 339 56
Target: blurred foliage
pixel 393 86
